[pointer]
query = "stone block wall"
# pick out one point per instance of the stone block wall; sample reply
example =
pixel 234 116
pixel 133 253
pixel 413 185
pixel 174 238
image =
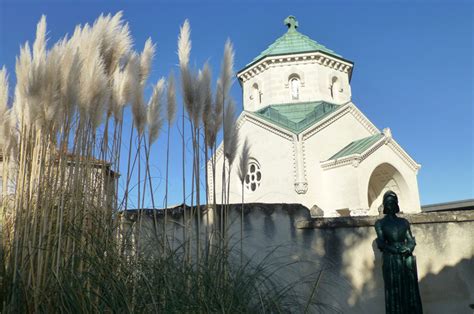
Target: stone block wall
pixel 344 249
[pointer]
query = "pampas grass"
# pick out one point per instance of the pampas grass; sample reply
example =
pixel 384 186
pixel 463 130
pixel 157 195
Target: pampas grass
pixel 139 110
pixel 184 44
pixel 154 117
pixel 244 161
pixel 230 133
pixel 3 92
pixel 205 97
pixel 146 58
pixel 66 244
pixel 171 99
pixel 39 46
pixel 223 88
pixel 60 186
pixel 227 69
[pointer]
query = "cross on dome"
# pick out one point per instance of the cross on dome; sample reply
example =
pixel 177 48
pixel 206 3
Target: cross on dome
pixel 291 22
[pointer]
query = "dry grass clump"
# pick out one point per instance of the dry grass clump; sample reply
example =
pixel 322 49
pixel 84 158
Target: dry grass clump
pixel 59 156
pixel 64 245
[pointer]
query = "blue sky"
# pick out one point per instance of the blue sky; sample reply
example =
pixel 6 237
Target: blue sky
pixel 413 64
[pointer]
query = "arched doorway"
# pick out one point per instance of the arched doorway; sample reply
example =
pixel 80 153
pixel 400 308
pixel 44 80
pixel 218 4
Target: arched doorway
pixel 386 177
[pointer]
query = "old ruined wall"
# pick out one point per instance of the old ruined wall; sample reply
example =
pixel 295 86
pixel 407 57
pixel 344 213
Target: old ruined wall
pixel 345 251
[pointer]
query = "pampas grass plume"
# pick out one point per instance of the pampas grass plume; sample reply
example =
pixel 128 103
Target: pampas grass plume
pixel 146 58
pixel 139 112
pixel 3 92
pixel 184 44
pixel 205 93
pixel 154 118
pixel 244 160
pixel 22 68
pixel 188 85
pixel 227 70
pixel 218 107
pixel 230 132
pixel 94 89
pixel 132 79
pixel 171 99
pixel 39 46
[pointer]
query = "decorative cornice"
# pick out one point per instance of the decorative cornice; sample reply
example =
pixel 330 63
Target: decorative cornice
pixel 363 119
pixel 300 58
pixel 403 154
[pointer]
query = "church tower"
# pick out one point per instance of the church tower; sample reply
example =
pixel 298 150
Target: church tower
pixel 309 143
pixel 295 69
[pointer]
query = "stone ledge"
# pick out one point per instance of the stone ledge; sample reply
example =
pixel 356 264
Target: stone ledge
pixel 367 221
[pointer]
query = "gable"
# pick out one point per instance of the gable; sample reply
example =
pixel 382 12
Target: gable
pixel 357 151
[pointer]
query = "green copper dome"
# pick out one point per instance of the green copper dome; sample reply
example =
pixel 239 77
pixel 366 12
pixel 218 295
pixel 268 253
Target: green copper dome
pixel 293 42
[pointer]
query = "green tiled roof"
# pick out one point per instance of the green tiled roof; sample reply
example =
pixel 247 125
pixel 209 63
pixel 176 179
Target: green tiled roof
pixel 293 42
pixel 297 116
pixel 357 147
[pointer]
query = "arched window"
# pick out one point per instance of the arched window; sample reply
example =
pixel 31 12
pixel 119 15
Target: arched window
pixel 295 85
pixel 256 94
pixel 333 86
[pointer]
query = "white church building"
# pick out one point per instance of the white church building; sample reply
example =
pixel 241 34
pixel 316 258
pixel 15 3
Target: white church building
pixel 309 143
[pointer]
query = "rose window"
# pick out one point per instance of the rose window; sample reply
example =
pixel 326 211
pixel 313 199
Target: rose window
pixel 253 177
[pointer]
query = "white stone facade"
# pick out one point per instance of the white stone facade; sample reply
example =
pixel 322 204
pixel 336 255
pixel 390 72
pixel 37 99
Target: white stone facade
pixel 295 166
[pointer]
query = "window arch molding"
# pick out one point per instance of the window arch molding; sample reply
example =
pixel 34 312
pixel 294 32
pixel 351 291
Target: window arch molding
pixel 294 72
pixel 255 92
pixel 335 86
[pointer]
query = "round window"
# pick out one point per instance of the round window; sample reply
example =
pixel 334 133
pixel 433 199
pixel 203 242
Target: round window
pixel 253 177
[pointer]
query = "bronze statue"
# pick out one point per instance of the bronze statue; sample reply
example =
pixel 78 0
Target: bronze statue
pixel 396 242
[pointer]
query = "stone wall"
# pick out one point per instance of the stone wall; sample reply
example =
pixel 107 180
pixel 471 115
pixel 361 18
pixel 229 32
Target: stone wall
pixel 345 251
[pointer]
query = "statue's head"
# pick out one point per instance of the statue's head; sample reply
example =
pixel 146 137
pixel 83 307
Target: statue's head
pixel 390 203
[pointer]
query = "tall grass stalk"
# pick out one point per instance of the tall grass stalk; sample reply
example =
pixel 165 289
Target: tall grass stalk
pixel 170 116
pixel 184 49
pixel 205 97
pixel 225 83
pixel 242 173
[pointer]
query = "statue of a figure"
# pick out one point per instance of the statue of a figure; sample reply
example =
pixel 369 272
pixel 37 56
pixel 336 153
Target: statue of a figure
pixel 396 242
